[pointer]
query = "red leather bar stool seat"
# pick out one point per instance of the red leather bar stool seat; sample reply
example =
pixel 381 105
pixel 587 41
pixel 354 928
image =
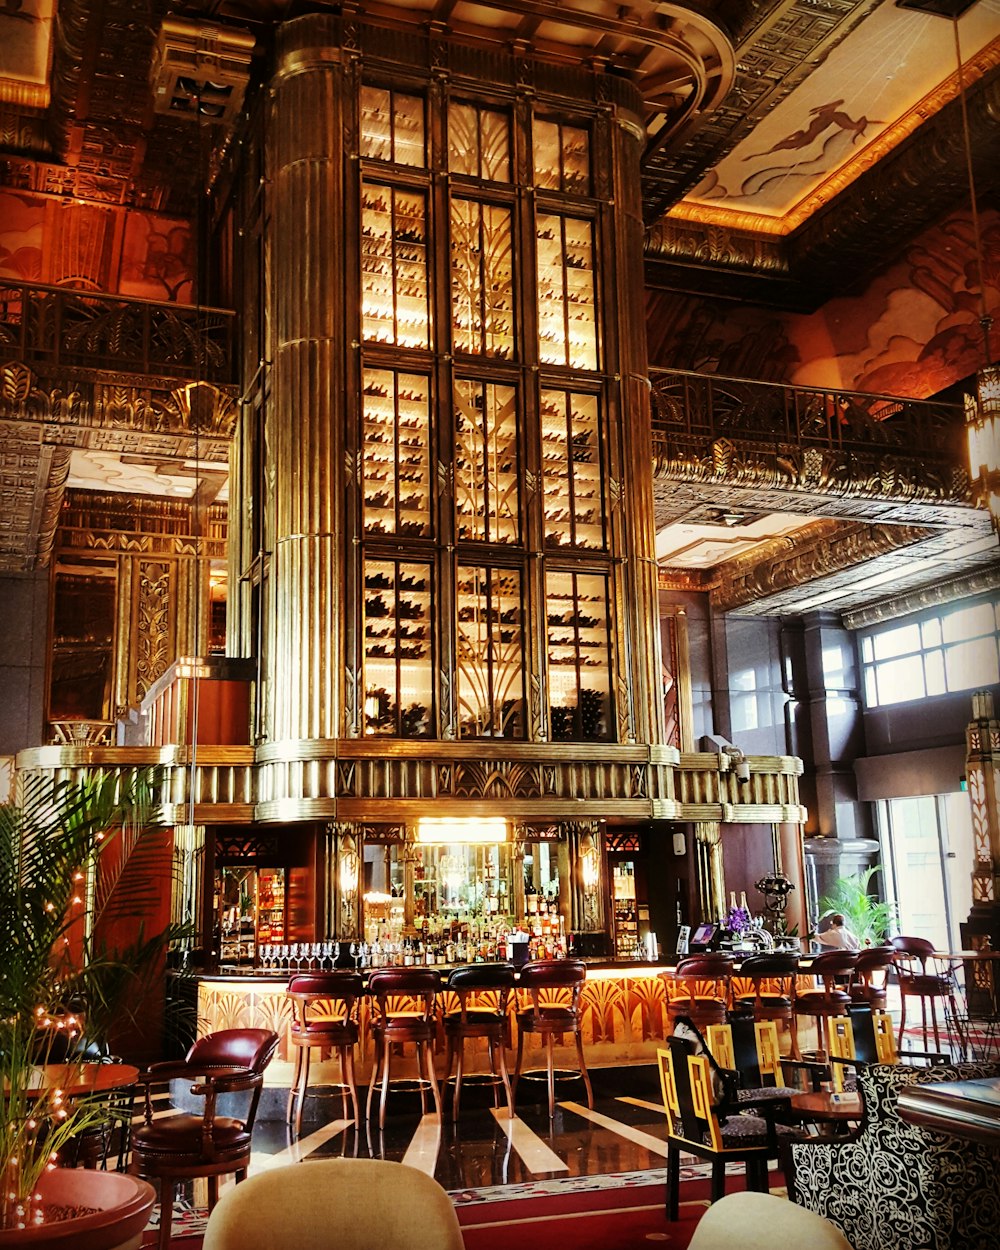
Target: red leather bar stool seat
pixel 475 981
pixel 773 977
pixel 325 1016
pixel 704 981
pixel 404 1010
pixel 552 1015
pixel 184 1146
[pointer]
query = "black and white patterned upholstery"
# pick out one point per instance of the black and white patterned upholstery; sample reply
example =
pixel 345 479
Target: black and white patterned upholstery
pixel 900 1186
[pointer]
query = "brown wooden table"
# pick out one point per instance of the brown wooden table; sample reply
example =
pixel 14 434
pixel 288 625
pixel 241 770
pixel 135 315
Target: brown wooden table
pixel 968 1109
pixel 832 1110
pixel 75 1079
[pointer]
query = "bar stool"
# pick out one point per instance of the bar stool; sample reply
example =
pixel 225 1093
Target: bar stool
pixel 911 952
pixel 705 980
pixel 823 1002
pixel 870 975
pixel 773 1002
pixel 321 1028
pixel 394 1024
pixel 546 980
pixel 480 1021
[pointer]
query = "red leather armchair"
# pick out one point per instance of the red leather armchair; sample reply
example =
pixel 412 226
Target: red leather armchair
pixel 183 1146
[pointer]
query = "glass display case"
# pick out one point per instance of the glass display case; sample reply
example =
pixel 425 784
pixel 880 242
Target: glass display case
pixel 490 653
pixel 579 659
pixel 250 912
pixel 398 673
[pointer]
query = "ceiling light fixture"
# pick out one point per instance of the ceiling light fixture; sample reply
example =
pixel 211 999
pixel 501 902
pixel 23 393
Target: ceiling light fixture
pixel 982 407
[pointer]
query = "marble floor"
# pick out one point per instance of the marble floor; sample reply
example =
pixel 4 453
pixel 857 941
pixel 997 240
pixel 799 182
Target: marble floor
pixel 625 1132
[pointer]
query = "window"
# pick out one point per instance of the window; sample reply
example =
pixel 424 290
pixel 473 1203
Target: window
pixel 486 496
pixel 490 646
pixel 567 314
pixel 951 650
pixel 579 669
pixel 397 625
pixel 478 142
pixel 392 127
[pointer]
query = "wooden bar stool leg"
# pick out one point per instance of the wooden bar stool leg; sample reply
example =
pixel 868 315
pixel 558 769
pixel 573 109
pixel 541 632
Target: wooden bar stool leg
pixel 372 1080
pixel 902 1019
pixel 292 1089
pixel 303 1086
pixel 673 1183
pixel 456 1093
pixel 432 1077
pixel 583 1070
pixel 934 1025
pixel 517 1061
pixel 506 1079
pixel 550 1065
pixel 348 1062
pixel 386 1064
pixel 167 1187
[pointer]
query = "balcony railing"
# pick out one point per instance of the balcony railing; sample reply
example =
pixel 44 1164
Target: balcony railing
pixel 698 418
pixel 63 327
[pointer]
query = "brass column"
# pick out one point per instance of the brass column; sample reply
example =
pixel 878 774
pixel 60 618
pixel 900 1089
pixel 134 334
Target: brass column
pixel 306 300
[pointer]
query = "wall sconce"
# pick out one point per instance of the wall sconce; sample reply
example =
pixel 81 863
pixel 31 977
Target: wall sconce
pixel 349 870
pixel 590 867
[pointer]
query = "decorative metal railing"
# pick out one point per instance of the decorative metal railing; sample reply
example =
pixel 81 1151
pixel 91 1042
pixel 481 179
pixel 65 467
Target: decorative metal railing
pixel 63 327
pixel 704 424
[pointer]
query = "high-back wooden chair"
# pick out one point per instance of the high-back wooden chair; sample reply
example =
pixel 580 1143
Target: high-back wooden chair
pixel 773 978
pixel 929 985
pixel 181 1147
pixel 694 1127
pixel 704 983
pixel 477 1018
pixel 830 998
pixel 870 975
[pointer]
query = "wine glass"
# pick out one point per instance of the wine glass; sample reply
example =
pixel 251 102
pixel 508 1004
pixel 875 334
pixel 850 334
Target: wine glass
pixel 266 950
pixel 293 957
pixel 353 952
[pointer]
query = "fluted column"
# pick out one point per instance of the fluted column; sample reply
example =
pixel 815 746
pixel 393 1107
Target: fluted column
pixel 307 261
pixel 641 681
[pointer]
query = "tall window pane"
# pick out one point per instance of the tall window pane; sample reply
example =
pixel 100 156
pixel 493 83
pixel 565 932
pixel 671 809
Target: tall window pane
pixel 398 674
pixel 490 653
pixel 567 318
pixel 396 460
pixel 482 279
pixel 486 496
pixel 571 468
pixel 478 142
pixel 579 656
pixel 392 127
pixel 394 266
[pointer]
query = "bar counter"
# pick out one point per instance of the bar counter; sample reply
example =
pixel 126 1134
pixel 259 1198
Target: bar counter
pixel 623 1003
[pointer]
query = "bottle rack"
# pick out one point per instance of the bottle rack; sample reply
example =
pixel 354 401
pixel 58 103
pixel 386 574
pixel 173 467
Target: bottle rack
pixel 579 667
pixel 490 647
pixel 397 632
pixel 482 279
pixel 571 469
pixel 567 315
pixel 392 127
pixel 486 464
pixel 396 460
pixel 561 157
pixel 394 291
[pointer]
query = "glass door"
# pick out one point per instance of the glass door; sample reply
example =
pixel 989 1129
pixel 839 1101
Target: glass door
pixel 928 857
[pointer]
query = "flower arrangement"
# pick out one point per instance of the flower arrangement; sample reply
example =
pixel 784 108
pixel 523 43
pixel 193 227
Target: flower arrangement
pixel 58 984
pixel 737 920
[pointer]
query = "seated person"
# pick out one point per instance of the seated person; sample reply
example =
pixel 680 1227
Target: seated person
pixel 838 935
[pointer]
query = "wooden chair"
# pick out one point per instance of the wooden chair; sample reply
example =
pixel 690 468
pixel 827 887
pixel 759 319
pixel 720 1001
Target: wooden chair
pixel 396 1022
pixel 911 958
pixel 325 1014
pixel 180 1147
pixel 871 972
pixel 864 1036
pixel 704 981
pixel 693 1126
pixel 750 1048
pixel 489 1022
pixel 829 999
pixel 551 1015
pixel 352 1204
pixel 773 978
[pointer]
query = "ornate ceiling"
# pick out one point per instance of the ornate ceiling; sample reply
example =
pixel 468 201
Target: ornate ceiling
pixel 794 146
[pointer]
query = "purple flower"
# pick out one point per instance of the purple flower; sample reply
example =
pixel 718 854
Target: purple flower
pixel 737 919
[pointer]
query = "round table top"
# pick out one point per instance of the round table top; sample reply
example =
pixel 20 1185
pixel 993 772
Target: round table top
pixel 827 1106
pixel 82 1078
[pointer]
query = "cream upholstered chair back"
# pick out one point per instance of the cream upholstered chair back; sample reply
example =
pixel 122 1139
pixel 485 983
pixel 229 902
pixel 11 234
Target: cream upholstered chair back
pixel 754 1221
pixel 353 1204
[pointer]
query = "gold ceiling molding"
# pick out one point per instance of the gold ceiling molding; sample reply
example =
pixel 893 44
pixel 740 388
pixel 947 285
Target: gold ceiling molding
pixel 938 593
pixel 23 95
pixel 880 147
pixel 688 581
pixel 817 551
pixel 675 240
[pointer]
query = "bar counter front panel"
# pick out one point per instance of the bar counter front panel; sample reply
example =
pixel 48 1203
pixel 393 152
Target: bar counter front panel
pixel 624 1019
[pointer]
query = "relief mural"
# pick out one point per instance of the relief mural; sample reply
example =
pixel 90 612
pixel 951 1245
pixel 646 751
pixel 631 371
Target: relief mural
pixel 116 250
pixel 913 331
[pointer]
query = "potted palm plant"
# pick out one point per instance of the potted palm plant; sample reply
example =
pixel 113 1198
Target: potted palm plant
pixel 76 860
pixel 868 918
